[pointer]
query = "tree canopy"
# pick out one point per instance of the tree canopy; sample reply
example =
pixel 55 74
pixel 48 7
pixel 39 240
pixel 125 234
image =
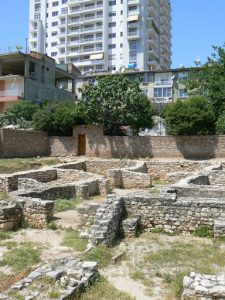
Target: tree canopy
pixel 209 80
pixel 194 116
pixel 115 101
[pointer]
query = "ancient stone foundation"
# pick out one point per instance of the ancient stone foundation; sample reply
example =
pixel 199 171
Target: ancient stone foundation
pixel 67 277
pixel 203 287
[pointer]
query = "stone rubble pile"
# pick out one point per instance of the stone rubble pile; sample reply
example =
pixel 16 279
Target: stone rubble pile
pixel 65 278
pixel 203 287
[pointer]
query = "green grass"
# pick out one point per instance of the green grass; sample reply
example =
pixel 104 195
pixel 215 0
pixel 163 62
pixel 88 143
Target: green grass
pixel 20 258
pixel 101 254
pixel 203 231
pixel 4 235
pixel 177 259
pixel 158 182
pixel 52 225
pixel 8 244
pixel 15 295
pixel 71 239
pixel 103 290
pixel 19 164
pixel 66 204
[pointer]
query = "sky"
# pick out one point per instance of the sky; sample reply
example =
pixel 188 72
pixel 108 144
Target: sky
pixel 197 25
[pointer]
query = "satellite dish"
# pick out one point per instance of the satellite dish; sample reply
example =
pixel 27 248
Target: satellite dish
pixel 197 61
pixel 181 66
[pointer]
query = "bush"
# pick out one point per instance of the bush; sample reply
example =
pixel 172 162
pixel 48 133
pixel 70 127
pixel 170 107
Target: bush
pixel 220 124
pixel 19 114
pixel 194 116
pixel 58 118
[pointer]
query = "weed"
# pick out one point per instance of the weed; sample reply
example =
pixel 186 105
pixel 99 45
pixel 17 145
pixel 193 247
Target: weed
pixel 16 295
pixel 101 254
pixel 203 231
pixel 71 239
pixel 54 294
pixel 155 190
pixel 66 204
pixel 102 290
pixel 52 225
pixel 21 257
pixel 158 182
pixel 4 195
pixel 4 235
pixel 8 244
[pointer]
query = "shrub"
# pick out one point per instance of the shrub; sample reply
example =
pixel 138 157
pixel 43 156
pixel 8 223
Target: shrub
pixel 19 114
pixel 193 116
pixel 58 118
pixel 220 124
pixel 203 231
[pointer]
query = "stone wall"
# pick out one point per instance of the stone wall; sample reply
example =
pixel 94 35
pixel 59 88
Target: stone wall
pixel 87 213
pixel 173 214
pixel 34 213
pixel 62 146
pixel 107 221
pixel 9 182
pixel 199 287
pixel 189 147
pixel 23 143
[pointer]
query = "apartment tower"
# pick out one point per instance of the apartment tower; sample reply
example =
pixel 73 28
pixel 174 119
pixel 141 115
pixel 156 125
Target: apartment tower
pixel 103 35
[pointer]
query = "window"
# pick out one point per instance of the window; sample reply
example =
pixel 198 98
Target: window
pixel 62 51
pixel 133 7
pixel 64 1
pixel 36 16
pixel 183 76
pixel 112 35
pixel 53 44
pixel 112 24
pixel 54 24
pixel 54 33
pixel 183 93
pixel 55 3
pixel 112 13
pixel 163 92
pixel 64 11
pixel 112 46
pixel 111 3
pixel 53 54
pixel 112 57
pixel 37 7
pixel 54 13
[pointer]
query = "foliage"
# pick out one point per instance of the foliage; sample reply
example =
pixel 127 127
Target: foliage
pixel 102 290
pixel 209 80
pixel 4 235
pixel 220 124
pixel 53 225
pixel 101 254
pixel 116 101
pixel 203 231
pixel 71 239
pixel 57 118
pixel 66 204
pixel 19 114
pixel 193 116
pixel 21 257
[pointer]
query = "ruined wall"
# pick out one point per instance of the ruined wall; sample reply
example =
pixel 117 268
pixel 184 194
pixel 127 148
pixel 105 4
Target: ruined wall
pixel 171 214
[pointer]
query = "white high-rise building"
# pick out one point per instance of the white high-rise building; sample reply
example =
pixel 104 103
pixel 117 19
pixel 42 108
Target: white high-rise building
pixel 99 35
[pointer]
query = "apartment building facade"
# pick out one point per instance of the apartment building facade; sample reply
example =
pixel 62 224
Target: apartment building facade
pixel 35 77
pixel 103 35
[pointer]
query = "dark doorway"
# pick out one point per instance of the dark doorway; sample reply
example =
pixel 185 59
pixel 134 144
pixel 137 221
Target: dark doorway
pixel 81 144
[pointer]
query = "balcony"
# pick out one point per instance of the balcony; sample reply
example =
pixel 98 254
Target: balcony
pixel 72 2
pixel 167 82
pixel 10 95
pixel 133 35
pixel 86 9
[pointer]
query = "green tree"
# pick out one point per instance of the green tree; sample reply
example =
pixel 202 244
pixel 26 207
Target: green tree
pixel 57 118
pixel 194 116
pixel 209 80
pixel 220 124
pixel 20 114
pixel 116 101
